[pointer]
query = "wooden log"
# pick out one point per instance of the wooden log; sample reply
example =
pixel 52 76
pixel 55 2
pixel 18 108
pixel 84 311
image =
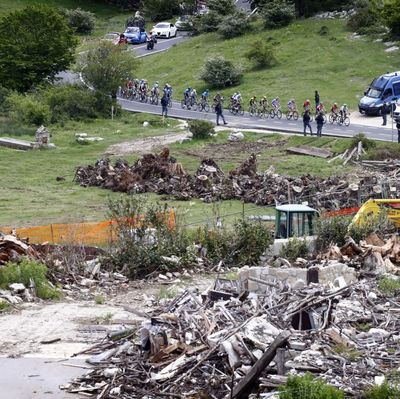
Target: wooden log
pixel 242 388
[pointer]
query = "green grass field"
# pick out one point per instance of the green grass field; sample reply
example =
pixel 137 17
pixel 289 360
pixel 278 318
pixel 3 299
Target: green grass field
pixel 336 65
pixel 30 194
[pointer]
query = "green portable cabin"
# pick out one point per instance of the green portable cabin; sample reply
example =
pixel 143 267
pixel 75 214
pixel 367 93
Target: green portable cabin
pixel 295 220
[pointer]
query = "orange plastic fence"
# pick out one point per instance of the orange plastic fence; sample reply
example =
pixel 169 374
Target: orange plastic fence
pixel 91 233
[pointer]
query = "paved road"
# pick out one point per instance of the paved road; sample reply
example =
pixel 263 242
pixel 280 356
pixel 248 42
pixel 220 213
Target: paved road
pixel 276 125
pixel 140 51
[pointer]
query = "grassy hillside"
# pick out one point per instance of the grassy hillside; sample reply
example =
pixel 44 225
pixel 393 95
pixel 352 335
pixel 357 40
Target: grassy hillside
pixel 335 64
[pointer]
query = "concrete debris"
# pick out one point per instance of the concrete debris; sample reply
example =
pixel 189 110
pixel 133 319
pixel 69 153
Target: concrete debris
pixel 236 136
pixel 233 346
pixel 162 174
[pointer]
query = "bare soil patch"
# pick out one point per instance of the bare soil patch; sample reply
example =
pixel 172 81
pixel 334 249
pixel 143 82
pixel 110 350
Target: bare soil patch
pixel 145 145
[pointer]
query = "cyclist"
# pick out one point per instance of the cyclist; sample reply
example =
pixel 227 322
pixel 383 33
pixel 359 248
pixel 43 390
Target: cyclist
pixel 186 94
pixel 168 90
pixel 344 111
pixel 253 101
pixel 307 105
pixel 334 108
pixel 204 96
pixel 291 105
pixel 193 96
pixel 264 103
pixel 275 104
pixel 321 108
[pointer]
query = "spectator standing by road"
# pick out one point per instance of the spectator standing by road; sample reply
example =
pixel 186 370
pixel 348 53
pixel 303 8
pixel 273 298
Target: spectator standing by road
pixel 218 111
pixel 316 99
pixel 164 105
pixel 384 111
pixel 306 122
pixel 398 129
pixel 320 123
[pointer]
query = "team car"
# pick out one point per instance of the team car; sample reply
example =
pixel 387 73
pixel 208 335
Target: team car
pixel 164 29
pixel 134 35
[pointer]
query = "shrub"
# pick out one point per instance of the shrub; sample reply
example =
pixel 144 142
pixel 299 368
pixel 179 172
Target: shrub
pixel 365 17
pixel 218 72
pixel 331 231
pixel 206 23
pixel 251 241
pixel 234 25
pixel 384 391
pixel 222 7
pixel 144 237
pixel 323 30
pixel 71 102
pixel 262 53
pixel 383 153
pixel 308 387
pixel 161 9
pixel 389 286
pixel 79 20
pixel 28 109
pixel 278 14
pixel 366 142
pixel 23 272
pixel 391 16
pixel 201 129
pixel 295 248
pixel 4 93
pixel 379 224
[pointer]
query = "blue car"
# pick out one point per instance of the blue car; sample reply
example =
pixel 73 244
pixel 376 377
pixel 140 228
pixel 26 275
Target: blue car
pixel 134 35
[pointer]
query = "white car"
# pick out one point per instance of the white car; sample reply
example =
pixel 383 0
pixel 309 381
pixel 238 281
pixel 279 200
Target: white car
pixel 164 29
pixel 112 37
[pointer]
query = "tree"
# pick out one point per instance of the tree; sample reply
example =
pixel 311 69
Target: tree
pixel 107 67
pixel 279 13
pixel 222 7
pixel 35 43
pixel 391 15
pixel 161 9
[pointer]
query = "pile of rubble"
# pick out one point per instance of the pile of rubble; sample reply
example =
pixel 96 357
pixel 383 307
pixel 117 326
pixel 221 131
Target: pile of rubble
pixel 162 174
pixel 229 343
pixel 12 249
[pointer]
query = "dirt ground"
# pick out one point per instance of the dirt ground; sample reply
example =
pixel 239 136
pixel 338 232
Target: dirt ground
pixel 145 145
pixel 77 324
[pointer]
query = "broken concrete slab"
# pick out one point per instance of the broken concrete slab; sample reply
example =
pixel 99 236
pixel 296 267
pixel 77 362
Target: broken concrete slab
pixel 312 151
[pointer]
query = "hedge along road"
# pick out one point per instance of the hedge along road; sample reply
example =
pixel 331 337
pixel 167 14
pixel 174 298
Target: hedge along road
pixel 275 125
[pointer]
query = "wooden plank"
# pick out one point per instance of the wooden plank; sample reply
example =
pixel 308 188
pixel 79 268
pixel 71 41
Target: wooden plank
pixel 242 388
pixel 15 143
pixel 311 151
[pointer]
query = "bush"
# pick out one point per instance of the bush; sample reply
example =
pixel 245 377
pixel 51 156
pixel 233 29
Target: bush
pixel 262 53
pixel 379 224
pixel 201 129
pixel 366 142
pixel 295 248
pixel 389 286
pixel 161 9
pixel 391 151
pixel 391 16
pixel 28 109
pixel 4 93
pixel 79 20
pixel 222 7
pixel 234 25
pixel 331 231
pixel 23 272
pixel 308 387
pixel 365 17
pixel 384 391
pixel 251 241
pixel 144 237
pixel 218 72
pixel 71 102
pixel 206 23
pixel 278 14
